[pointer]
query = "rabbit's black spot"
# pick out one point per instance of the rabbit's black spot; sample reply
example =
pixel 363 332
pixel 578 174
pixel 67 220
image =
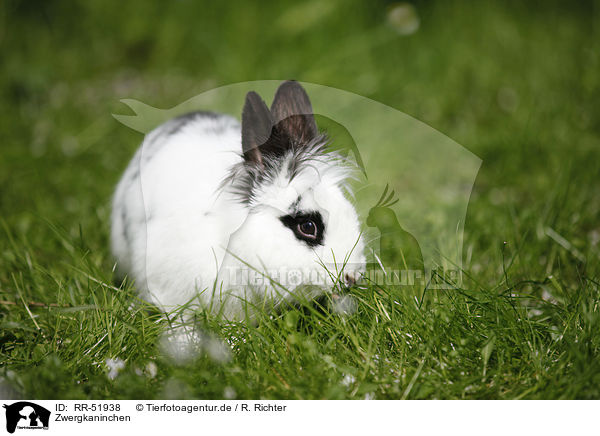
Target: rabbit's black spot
pixel 125 225
pixel 156 140
pixel 281 140
pixel 307 227
pixel 293 112
pixel 246 177
pixel 288 127
pixel 295 205
pixel 134 175
pixel 178 123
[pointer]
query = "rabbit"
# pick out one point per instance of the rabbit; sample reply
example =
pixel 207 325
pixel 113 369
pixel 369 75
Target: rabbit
pixel 219 214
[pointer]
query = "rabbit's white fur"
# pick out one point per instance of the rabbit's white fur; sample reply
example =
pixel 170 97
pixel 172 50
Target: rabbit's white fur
pixel 192 217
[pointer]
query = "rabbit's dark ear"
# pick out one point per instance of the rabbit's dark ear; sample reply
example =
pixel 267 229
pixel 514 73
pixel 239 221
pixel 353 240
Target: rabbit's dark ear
pixel 293 113
pixel 257 123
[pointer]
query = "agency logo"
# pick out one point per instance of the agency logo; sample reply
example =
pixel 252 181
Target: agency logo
pixel 426 177
pixel 26 415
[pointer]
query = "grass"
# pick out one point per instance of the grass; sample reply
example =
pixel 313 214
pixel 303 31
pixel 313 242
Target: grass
pixel 515 84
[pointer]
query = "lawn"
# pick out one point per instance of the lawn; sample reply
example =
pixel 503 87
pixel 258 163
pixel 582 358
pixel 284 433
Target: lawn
pixel 517 85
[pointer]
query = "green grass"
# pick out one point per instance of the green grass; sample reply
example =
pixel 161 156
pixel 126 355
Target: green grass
pixel 517 85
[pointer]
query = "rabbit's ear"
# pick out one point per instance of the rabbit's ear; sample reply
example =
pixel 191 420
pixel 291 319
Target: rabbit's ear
pixel 257 123
pixel 293 113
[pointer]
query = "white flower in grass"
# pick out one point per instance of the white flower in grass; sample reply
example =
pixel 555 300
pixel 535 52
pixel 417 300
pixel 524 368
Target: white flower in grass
pixel 114 366
pixel 344 305
pixel 229 393
pixel 348 380
pixel 151 369
pixel 403 18
pixel 218 350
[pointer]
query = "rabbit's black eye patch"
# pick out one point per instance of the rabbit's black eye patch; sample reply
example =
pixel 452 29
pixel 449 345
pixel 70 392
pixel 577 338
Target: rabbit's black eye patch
pixel 307 227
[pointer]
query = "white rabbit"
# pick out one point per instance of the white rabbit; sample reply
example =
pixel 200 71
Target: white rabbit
pixel 213 213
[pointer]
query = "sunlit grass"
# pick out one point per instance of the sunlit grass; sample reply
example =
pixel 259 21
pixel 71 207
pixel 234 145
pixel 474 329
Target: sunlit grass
pixel 517 86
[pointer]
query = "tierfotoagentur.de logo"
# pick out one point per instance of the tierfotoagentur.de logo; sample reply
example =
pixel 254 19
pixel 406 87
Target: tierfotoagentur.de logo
pixel 26 416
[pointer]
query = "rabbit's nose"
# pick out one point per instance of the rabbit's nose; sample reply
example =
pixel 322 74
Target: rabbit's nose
pixel 350 278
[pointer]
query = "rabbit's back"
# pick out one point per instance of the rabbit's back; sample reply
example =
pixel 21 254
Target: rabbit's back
pixel 170 222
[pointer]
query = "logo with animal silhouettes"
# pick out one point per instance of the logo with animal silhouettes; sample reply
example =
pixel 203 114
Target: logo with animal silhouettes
pixel 398 249
pixel 25 415
pixel 211 203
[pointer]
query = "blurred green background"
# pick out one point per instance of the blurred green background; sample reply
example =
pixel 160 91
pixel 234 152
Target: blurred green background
pixel 517 83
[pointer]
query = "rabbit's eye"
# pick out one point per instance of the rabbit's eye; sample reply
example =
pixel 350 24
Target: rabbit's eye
pixel 308 228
